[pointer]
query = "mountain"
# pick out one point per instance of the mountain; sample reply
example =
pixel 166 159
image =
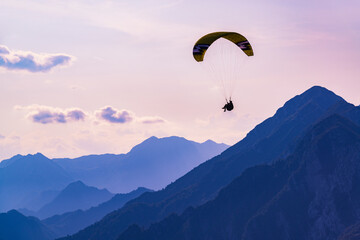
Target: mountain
pixel 75 196
pixel 351 233
pixel 313 194
pixel 29 182
pixel 71 222
pixel 24 177
pixel 39 200
pixel 7 162
pixel 153 163
pixel 274 138
pixel 15 226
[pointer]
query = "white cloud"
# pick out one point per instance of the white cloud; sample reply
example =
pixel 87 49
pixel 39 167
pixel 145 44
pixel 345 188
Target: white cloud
pixel 30 61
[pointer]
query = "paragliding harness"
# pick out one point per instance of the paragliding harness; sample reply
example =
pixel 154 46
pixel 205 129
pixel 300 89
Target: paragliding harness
pixel 228 106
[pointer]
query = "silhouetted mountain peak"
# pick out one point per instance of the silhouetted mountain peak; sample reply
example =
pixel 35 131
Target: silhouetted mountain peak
pixel 75 196
pixel 151 139
pixel 75 187
pixel 35 156
pixel 36 163
pixel 34 159
pixel 78 187
pixel 211 143
pixel 27 176
pixel 296 113
pixel 76 184
pixel 9 161
pixel 158 145
pixel 14 225
pixel 15 214
pixel 316 95
pixel 154 140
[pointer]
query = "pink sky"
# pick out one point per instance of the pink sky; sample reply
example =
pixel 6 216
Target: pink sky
pixel 127 67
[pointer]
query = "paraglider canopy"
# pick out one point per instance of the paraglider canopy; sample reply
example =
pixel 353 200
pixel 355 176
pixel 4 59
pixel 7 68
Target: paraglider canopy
pixel 204 43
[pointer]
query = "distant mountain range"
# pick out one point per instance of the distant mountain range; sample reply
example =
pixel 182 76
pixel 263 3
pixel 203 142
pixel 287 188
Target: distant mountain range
pixel 71 222
pixel 153 163
pixel 274 139
pixel 32 181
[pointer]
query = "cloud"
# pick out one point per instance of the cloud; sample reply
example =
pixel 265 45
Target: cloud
pixel 151 120
pixel 113 115
pixel 4 50
pixel 76 115
pixel 45 114
pixel 2 137
pixel 32 62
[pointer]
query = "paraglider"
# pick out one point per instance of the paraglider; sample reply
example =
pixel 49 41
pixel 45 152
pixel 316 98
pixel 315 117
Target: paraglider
pixel 225 75
pixel 228 106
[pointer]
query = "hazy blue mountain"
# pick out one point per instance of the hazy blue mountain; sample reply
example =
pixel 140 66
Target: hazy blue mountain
pixel 7 162
pixel 75 196
pixel 71 222
pixel 26 212
pixel 274 138
pixel 15 226
pixel 39 200
pixel 313 194
pixel 153 163
pixel 23 178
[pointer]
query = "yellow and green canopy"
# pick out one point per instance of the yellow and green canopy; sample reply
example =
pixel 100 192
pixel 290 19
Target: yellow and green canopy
pixel 204 43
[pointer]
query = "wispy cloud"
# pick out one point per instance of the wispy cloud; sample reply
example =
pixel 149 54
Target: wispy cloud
pixel 113 115
pixel 46 115
pixel 151 120
pixel 2 137
pixel 30 61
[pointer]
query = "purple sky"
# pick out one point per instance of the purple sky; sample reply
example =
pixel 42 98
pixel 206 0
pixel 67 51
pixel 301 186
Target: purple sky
pixel 81 77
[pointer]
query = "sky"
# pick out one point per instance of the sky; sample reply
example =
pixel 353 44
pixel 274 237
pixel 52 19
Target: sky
pixel 86 77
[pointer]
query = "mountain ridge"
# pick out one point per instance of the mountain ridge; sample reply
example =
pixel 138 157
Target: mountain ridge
pixel 202 184
pixel 261 190
pixel 37 174
pixel 156 162
pixel 71 222
pixel 15 226
pixel 74 196
pixel 27 180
